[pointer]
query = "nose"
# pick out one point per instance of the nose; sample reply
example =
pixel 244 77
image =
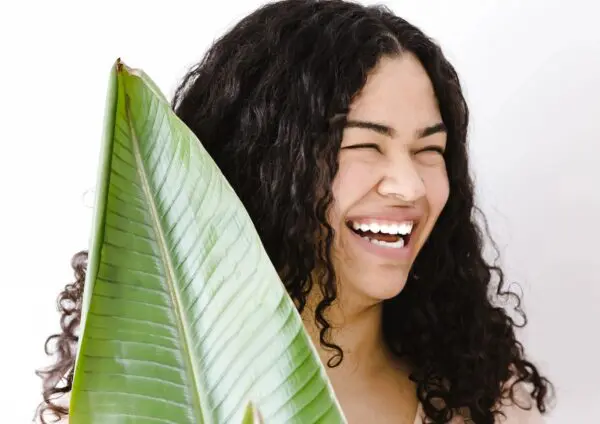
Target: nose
pixel 401 179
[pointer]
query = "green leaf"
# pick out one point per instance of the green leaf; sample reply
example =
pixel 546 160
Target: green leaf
pixel 185 318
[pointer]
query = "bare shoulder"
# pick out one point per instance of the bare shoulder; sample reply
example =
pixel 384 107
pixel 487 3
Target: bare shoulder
pixel 523 410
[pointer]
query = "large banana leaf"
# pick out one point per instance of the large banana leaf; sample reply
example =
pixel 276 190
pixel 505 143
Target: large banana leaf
pixel 185 318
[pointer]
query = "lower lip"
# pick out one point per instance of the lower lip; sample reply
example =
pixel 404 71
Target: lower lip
pixel 398 254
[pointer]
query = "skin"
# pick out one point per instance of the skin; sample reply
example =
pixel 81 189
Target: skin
pixel 391 169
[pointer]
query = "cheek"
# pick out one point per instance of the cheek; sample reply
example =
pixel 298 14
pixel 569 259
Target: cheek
pixel 438 190
pixel 352 182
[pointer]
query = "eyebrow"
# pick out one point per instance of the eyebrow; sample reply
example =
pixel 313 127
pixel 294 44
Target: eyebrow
pixel 390 132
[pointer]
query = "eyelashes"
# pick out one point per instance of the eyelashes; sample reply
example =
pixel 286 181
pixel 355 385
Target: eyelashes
pixel 435 149
pixel 363 146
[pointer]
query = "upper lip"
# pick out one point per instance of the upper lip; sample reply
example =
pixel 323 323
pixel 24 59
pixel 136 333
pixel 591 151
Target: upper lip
pixel 399 215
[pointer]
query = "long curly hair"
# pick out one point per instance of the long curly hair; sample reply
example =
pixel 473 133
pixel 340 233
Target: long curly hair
pixel 268 101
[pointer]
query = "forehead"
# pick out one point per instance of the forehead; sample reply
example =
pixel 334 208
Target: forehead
pixel 398 93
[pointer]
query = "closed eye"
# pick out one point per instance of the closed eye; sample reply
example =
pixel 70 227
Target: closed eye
pixel 364 146
pixel 436 149
pixel 431 155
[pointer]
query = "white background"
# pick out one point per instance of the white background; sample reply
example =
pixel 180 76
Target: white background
pixel 532 75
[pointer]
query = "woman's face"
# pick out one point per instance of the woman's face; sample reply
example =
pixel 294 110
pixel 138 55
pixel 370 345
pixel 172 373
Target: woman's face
pixel 392 183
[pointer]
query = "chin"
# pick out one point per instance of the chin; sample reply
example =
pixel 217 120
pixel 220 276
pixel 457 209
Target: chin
pixel 383 284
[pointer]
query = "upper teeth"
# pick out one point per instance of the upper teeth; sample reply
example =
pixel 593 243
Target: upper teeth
pixel 403 228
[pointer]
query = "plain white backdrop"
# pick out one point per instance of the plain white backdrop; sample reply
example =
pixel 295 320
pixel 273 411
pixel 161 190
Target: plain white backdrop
pixel 531 71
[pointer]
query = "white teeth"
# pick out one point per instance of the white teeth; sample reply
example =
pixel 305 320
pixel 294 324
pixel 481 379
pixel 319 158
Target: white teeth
pixel 394 245
pixel 394 229
pixel 405 228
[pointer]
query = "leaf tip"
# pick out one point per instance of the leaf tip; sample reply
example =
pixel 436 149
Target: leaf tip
pixel 252 415
pixel 121 67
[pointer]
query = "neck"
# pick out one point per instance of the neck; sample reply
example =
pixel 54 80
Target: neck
pixel 356 329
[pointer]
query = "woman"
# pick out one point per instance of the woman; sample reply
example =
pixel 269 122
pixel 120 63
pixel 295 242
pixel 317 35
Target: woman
pixel 372 226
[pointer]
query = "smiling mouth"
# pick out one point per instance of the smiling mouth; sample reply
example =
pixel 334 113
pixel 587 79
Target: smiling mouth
pixel 391 235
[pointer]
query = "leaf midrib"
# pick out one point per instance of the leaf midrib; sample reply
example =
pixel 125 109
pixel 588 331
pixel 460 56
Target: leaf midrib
pixel 182 324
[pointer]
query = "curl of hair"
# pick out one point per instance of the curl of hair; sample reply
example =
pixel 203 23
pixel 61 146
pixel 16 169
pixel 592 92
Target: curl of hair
pixel 58 378
pixel 268 101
